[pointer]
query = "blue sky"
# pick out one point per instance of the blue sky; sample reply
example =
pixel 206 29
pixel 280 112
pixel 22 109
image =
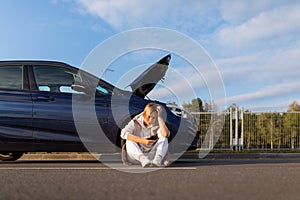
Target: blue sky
pixel 255 44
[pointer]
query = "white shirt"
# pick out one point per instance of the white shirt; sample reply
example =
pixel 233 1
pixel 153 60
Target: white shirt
pixel 136 127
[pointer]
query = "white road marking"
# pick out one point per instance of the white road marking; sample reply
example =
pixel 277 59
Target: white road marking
pixel 95 168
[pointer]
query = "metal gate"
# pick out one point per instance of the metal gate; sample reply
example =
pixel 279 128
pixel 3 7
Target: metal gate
pixel 253 130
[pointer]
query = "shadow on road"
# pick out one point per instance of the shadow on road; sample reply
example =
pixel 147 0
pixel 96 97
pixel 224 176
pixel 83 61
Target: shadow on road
pixel 176 164
pixel 209 162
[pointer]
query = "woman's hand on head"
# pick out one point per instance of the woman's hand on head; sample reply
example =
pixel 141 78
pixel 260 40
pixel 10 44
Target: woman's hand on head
pixel 159 110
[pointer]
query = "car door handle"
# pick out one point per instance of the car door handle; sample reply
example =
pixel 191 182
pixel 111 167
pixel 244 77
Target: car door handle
pixel 44 98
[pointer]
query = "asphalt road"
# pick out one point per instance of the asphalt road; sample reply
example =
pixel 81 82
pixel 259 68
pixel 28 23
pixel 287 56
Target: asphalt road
pixel 198 179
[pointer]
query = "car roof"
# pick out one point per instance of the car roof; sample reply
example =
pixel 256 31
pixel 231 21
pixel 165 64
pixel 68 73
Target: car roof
pixel 33 62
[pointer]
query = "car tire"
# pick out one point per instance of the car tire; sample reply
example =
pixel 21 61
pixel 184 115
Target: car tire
pixel 10 156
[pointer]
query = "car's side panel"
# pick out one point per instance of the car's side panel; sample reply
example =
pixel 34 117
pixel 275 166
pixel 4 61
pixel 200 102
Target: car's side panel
pixel 53 114
pixel 15 106
pixel 15 116
pixel 52 117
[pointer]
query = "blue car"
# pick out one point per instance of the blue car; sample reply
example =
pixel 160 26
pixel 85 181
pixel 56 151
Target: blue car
pixel 36 112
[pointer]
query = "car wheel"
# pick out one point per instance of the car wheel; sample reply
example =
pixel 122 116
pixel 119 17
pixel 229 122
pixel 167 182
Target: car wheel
pixel 12 156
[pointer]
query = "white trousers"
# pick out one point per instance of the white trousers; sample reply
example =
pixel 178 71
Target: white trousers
pixel 134 152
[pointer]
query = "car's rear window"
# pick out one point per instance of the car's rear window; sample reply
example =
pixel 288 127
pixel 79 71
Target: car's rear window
pixel 11 77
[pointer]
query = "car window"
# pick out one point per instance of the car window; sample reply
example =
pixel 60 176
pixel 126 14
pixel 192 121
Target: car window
pixel 98 86
pixel 56 79
pixel 102 90
pixel 11 77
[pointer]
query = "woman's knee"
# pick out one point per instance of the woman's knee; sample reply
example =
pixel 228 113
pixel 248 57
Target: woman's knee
pixel 163 139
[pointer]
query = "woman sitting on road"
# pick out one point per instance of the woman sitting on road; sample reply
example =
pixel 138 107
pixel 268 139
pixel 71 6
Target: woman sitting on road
pixel 140 147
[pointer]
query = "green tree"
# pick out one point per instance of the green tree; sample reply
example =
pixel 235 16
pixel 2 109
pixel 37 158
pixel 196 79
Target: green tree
pixel 291 128
pixel 250 129
pixel 173 103
pixel 195 106
pixel 203 118
pixel 275 125
pixel 263 129
pixel 291 121
pixel 294 107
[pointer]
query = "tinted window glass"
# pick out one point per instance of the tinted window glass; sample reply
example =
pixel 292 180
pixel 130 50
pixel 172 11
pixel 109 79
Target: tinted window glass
pixel 56 79
pixel 11 77
pixel 102 90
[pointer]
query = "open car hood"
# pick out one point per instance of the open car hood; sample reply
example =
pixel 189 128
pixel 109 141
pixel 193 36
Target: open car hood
pixel 144 83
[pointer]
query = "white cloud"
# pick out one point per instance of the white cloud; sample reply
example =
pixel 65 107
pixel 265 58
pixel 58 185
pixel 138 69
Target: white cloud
pixel 259 39
pixel 176 14
pixel 267 92
pixel 271 74
pixel 239 25
pixel 272 26
pixel 238 11
pixel 257 19
pixel 121 13
pixel 265 67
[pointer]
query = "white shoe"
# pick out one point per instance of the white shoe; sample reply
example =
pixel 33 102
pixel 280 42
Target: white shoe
pixel 166 160
pixel 166 163
pixel 157 162
pixel 145 162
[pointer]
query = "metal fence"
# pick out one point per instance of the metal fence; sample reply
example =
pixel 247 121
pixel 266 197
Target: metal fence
pixel 253 130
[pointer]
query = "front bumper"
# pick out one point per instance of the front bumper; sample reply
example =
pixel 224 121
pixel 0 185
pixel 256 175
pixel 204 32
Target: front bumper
pixel 186 137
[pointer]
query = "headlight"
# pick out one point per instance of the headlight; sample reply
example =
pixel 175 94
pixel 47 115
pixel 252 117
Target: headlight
pixel 180 112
